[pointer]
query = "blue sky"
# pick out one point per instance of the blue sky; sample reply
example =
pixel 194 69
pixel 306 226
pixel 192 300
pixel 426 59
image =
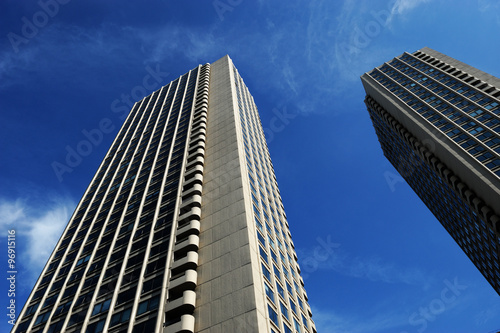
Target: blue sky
pixel 374 259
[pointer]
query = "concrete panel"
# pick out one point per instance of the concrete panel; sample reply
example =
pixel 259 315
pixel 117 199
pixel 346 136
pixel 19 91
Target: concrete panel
pixel 225 261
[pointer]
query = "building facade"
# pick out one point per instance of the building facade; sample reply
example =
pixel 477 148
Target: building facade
pixel 438 122
pixel 182 228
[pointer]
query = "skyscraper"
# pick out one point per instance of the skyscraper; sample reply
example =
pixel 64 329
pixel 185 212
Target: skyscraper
pixel 182 228
pixel 437 121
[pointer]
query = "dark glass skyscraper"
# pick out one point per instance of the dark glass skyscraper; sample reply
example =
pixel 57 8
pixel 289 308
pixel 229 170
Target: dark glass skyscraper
pixel 182 228
pixel 438 123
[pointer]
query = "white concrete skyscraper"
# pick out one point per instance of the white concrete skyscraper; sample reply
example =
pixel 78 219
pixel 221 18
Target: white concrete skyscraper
pixel 182 228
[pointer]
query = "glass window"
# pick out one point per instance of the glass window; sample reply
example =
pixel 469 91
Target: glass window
pixel 300 303
pixel 273 255
pixel 263 254
pixel 143 307
pixel 280 290
pixel 148 305
pixel 284 310
pixel 259 225
pixel 269 292
pixel 289 288
pixel 126 315
pixel 277 272
pixel 42 318
pixel 261 238
pixel 101 307
pixel 271 242
pixel 266 272
pixel 304 321
pixel 96 327
pixel 273 315
pixel 256 211
pixel 286 272
pixel 296 325
pixel 153 303
pixel 293 307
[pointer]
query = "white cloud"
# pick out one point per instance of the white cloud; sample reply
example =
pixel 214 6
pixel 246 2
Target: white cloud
pixel 44 232
pixel 375 269
pixel 39 58
pixel 83 48
pixel 394 312
pixel 289 77
pixel 486 5
pixel 271 52
pixel 359 41
pixel 10 212
pixel 332 321
pixel 402 7
pixel 38 223
pixel 369 268
pixel 344 40
pixel 490 7
pixel 484 313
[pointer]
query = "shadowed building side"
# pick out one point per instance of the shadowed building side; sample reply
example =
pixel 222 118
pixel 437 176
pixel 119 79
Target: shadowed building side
pixel 438 123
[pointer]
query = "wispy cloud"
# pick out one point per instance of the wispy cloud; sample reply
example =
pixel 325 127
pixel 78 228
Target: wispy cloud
pixel 402 7
pixel 486 5
pixel 359 42
pixel 375 269
pixel 408 312
pixel 10 212
pixel 163 43
pixel 395 313
pixel 39 223
pixel 491 7
pixel 73 44
pixel 371 268
pixel 332 321
pixel 344 37
pixel 82 50
pixel 484 314
pixel 105 45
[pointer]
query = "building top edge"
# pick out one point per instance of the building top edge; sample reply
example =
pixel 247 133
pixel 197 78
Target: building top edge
pixel 488 78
